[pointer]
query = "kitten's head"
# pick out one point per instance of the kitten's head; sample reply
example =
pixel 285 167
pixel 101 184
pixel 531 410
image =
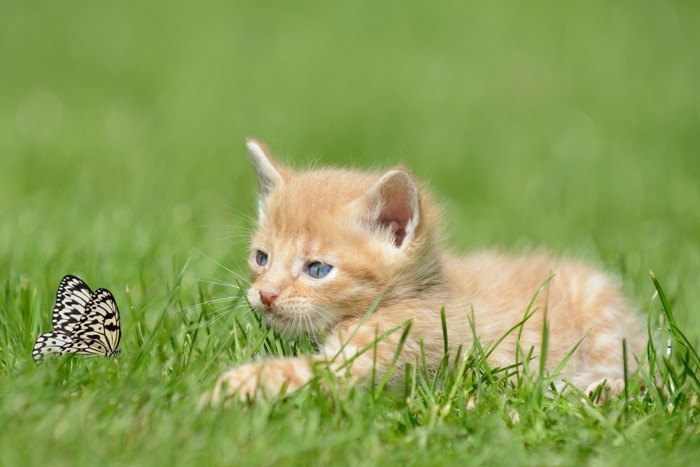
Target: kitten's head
pixel 329 242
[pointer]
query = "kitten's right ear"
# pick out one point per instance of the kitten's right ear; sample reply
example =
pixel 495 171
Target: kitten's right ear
pixel 391 206
pixel 268 172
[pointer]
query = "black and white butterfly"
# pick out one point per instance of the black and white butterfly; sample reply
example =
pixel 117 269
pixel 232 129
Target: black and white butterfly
pixel 84 322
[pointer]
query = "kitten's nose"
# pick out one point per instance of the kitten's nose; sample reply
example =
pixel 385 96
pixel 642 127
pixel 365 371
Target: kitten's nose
pixel 268 296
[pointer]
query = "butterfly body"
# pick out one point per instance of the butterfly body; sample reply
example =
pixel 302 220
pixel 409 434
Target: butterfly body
pixel 84 322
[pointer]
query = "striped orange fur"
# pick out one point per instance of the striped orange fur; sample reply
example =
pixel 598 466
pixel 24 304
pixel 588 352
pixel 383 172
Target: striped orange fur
pixel 380 234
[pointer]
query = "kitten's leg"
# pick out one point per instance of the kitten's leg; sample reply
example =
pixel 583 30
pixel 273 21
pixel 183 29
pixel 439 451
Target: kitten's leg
pixel 270 376
pixel 352 352
pixel 603 353
pixel 608 388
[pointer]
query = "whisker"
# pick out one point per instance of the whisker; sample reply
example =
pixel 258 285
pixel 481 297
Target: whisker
pixel 220 314
pixel 208 302
pixel 223 312
pixel 229 237
pixel 232 272
pixel 325 314
pixel 239 213
pixel 214 261
pixel 228 226
pixel 215 281
pixel 309 325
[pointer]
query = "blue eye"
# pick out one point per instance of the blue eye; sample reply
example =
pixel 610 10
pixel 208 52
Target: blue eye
pixel 261 258
pixel 318 270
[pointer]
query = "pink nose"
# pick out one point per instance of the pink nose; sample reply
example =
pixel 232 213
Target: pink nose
pixel 268 296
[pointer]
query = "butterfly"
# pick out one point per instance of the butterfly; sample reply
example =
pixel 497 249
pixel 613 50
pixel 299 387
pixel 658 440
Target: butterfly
pixel 84 322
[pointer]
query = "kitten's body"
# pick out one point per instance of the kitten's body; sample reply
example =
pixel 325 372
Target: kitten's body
pixel 379 235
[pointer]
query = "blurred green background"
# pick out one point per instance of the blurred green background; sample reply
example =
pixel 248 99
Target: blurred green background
pixel 569 126
pixel 573 126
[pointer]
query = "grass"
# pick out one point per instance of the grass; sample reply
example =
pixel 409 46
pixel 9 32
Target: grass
pixel 121 160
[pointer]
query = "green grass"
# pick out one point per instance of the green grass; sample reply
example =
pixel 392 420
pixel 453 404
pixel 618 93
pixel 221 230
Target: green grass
pixel 573 127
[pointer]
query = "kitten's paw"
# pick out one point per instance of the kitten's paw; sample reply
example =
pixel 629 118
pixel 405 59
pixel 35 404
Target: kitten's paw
pixel 603 389
pixel 273 377
pixel 243 382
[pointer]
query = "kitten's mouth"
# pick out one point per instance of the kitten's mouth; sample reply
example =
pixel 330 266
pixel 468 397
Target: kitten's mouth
pixel 288 323
pixel 274 314
pixel 270 311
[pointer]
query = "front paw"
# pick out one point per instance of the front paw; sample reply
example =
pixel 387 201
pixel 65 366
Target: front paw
pixel 272 377
pixel 602 390
pixel 242 381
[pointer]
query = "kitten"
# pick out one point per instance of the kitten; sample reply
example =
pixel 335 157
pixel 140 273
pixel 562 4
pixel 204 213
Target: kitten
pixel 330 242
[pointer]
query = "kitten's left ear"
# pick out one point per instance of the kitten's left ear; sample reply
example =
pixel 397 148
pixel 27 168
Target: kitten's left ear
pixel 392 205
pixel 270 176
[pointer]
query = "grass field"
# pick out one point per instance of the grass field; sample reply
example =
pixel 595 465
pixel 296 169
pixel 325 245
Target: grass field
pixel 570 126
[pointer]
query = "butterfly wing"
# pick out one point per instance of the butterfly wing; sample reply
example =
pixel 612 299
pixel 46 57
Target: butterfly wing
pixel 100 325
pixel 72 298
pixel 57 343
pixel 48 344
pixel 89 347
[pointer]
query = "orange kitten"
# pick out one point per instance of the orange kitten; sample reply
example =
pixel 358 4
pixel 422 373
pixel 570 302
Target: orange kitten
pixel 329 242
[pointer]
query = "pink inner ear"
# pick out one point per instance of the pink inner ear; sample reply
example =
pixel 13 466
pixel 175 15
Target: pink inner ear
pixel 395 215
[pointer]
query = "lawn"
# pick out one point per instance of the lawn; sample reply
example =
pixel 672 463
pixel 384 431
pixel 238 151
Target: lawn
pixel 574 127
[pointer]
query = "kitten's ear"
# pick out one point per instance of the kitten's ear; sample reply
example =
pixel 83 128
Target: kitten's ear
pixel 391 206
pixel 269 174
